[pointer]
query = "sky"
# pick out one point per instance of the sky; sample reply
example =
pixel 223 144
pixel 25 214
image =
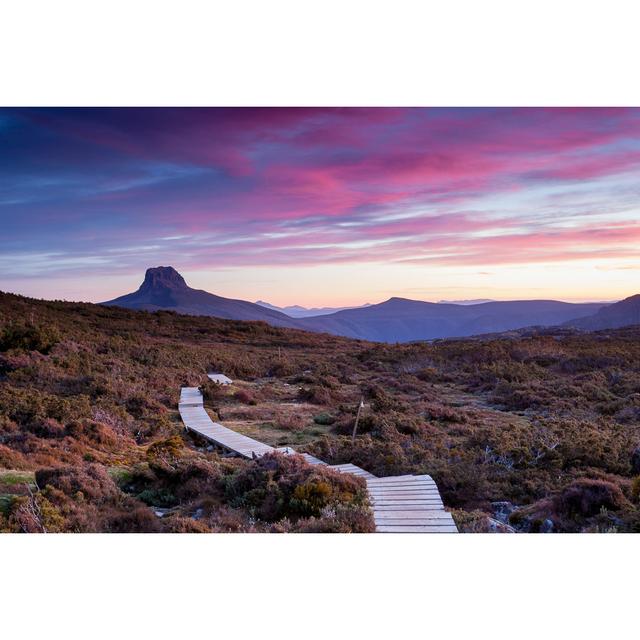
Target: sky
pixel 322 207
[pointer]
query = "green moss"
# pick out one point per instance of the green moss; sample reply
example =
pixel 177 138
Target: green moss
pixel 6 501
pixel 28 337
pixel 157 498
pixel 11 478
pixel 121 475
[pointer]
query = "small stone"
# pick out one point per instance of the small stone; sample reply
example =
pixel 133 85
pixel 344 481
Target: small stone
pixel 547 526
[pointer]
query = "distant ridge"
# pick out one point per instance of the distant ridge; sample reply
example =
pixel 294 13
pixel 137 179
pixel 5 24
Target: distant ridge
pixel 620 314
pixel 396 320
pixel 466 302
pixel 296 311
pixel 165 288
pixel 402 320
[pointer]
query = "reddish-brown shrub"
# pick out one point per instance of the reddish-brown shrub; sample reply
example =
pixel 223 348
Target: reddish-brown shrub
pixel 587 497
pixel 242 395
pixel 280 486
pixel 136 519
pixel 91 480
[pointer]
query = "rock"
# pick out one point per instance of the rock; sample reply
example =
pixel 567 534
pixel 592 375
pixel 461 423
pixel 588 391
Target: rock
pixel 166 277
pixel 496 526
pixel 547 526
pixel 502 511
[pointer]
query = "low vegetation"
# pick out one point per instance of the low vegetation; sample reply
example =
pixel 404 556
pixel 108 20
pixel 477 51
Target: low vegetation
pixel 534 431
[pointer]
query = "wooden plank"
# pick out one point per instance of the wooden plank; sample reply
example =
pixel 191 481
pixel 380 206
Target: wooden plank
pixel 402 496
pixel 417 529
pixel 392 494
pixel 219 378
pixel 412 514
pixel 397 479
pixel 416 522
pixel 353 469
pixel 348 467
pixel 377 482
pixel 410 498
pixel 411 494
pixel 407 505
pixel 405 483
pixel 413 506
pixel 420 522
pixel 403 491
pixel 404 487
pixel 430 506
pixel 417 497
pixel 428 493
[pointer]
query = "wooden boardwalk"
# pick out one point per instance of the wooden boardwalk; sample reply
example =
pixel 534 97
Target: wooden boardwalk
pixel 196 419
pixel 219 378
pixel 352 469
pixel 400 504
pixel 408 504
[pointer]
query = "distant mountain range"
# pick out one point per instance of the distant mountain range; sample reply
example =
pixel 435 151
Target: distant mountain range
pixel 396 320
pixel 296 311
pixel 402 320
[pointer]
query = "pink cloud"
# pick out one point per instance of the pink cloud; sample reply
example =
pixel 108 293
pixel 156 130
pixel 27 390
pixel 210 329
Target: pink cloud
pixel 300 186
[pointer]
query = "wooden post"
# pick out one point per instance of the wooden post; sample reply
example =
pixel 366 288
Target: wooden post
pixel 355 426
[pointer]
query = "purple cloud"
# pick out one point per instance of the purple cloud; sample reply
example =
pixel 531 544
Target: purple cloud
pixel 119 189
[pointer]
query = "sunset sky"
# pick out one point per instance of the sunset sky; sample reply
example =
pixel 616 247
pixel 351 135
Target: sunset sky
pixel 322 206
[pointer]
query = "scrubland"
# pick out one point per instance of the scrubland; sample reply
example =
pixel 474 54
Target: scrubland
pixel 529 432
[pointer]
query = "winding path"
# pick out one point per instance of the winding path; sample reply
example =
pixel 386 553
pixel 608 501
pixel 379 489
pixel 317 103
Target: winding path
pixel 401 504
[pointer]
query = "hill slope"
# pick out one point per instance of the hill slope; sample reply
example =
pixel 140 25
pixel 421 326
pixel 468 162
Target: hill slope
pixel 402 320
pixel 621 314
pixel 165 288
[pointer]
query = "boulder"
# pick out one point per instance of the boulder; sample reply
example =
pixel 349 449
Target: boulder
pixel 502 510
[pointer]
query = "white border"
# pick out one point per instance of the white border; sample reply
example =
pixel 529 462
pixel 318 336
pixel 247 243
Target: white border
pixel 463 53
pixel 329 52
pixel 311 586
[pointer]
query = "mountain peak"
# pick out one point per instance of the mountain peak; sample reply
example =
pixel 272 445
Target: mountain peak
pixel 162 277
pixel 165 288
